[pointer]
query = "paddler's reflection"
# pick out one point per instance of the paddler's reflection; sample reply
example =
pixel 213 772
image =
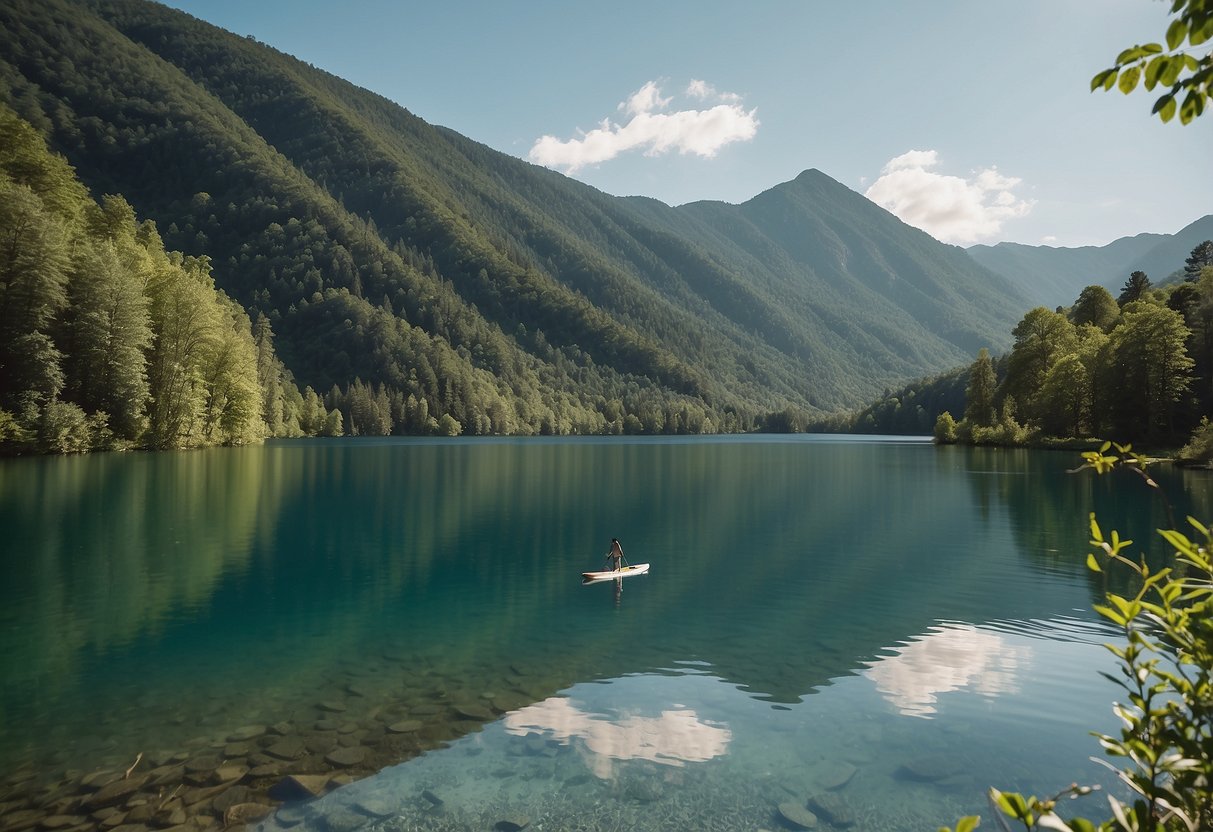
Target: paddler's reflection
pixel 618 590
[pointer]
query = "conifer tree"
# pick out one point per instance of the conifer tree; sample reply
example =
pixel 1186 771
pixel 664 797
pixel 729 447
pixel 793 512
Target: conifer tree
pixel 1200 258
pixel 1136 286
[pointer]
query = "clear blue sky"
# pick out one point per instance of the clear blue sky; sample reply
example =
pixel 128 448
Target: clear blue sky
pixel 987 93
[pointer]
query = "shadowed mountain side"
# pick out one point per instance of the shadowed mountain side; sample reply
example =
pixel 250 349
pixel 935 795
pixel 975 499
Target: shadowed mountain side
pixel 1168 255
pixel 1053 276
pixel 583 306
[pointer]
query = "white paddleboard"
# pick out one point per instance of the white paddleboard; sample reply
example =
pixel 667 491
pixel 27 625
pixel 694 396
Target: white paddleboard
pixel 625 572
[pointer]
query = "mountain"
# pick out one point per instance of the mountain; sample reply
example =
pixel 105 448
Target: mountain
pixel 468 283
pixel 1167 257
pixel 1053 276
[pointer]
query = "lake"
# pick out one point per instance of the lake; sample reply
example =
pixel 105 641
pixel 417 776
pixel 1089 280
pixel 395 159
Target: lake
pixel 876 626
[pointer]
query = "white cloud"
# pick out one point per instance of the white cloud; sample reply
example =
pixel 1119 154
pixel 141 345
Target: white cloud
pixel 950 208
pixel 703 91
pixel 948 657
pixel 674 738
pixel 701 132
pixel 645 100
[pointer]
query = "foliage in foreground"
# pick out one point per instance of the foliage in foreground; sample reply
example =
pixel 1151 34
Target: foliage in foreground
pixel 1176 71
pixel 1165 747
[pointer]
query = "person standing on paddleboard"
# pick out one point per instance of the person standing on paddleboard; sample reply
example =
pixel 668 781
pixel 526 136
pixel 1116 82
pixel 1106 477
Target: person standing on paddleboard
pixel 615 556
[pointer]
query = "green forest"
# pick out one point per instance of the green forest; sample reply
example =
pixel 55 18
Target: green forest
pixel 1138 367
pixel 107 340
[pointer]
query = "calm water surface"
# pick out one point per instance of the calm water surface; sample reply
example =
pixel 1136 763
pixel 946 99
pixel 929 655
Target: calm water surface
pixel 883 623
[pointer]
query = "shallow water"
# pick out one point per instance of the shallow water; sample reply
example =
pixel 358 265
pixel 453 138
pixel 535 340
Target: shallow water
pixel 916 617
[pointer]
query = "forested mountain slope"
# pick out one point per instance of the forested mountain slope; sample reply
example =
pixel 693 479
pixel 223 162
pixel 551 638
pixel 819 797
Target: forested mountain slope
pixel 1168 255
pixel 1053 276
pixel 459 281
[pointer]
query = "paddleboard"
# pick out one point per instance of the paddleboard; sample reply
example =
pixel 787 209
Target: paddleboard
pixel 625 572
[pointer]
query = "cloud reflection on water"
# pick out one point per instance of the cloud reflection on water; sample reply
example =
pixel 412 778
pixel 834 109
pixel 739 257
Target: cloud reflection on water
pixel 950 657
pixel 674 738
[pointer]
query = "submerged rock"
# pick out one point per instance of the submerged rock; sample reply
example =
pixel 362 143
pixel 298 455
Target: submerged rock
pixel 797 815
pixel 291 815
pixel 97 779
pixel 929 769
pixel 343 820
pixel 241 813
pixel 832 809
pixel 838 776
pixel 376 807
pixel 351 756
pixel 644 789
pixel 229 798
pixel 248 732
pixel 512 823
pixel 203 764
pixel 115 792
pixel 231 773
pixel 288 748
pixel 405 726
pixel 299 787
pixel 471 710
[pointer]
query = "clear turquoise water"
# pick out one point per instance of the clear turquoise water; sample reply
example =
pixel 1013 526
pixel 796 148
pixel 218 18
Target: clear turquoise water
pixel 814 604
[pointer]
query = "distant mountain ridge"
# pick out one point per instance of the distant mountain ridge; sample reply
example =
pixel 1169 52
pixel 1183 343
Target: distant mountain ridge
pixel 1053 276
pixel 390 251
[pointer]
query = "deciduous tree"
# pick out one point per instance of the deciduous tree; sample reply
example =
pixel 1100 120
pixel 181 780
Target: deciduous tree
pixel 979 394
pixel 1150 357
pixel 1095 305
pixel 1041 338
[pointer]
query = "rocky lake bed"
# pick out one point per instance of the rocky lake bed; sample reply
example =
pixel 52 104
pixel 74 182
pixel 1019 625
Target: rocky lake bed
pixel 334 764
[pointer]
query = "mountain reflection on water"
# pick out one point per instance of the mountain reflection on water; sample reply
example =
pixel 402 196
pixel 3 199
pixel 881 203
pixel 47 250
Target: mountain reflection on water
pixel 184 596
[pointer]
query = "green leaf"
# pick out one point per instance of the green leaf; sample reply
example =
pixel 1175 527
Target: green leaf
pixel 1194 105
pixel 1092 563
pixel 1176 32
pixel 1134 53
pixel 1179 541
pixel 1152 69
pixel 1130 54
pixel 968 823
pixel 1201 33
pixel 1104 79
pixel 1096 534
pixel 1012 804
pixel 1169 74
pixel 1165 107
